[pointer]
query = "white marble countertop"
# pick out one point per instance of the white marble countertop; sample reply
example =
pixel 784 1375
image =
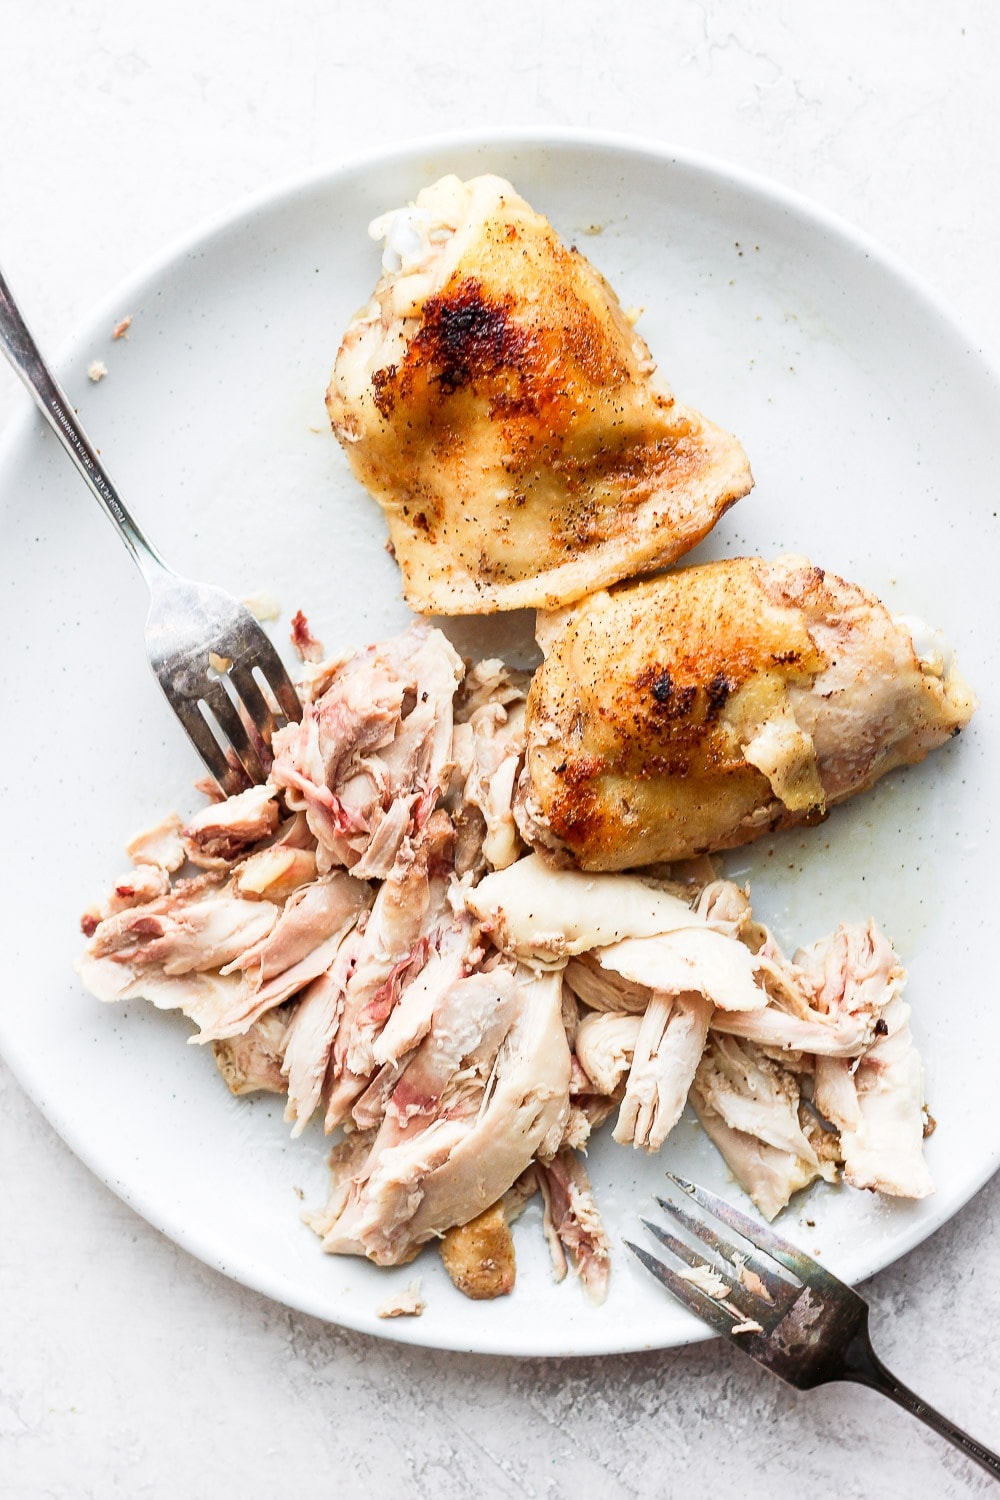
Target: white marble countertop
pixel 126 1367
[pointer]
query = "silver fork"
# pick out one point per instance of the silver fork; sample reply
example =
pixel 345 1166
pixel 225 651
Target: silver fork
pixel 781 1307
pixel 221 675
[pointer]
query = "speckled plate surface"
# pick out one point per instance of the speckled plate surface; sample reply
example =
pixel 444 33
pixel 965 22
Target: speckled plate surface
pixel 872 425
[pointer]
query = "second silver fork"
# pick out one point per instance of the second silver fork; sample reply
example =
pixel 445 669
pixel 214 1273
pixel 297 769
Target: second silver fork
pixel 780 1306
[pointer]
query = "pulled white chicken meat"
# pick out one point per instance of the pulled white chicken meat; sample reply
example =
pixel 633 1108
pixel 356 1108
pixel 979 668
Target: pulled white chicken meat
pixel 794 1067
pixel 367 934
pixel 323 945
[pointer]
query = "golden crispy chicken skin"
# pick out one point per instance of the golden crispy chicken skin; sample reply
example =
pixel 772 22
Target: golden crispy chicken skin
pixel 479 1256
pixel 702 709
pixel 495 400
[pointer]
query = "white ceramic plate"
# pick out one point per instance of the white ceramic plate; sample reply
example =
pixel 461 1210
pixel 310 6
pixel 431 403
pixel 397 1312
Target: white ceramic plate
pixel 871 426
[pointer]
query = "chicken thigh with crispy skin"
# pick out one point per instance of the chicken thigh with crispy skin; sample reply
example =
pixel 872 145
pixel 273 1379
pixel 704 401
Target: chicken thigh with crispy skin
pixel 498 404
pixel 699 710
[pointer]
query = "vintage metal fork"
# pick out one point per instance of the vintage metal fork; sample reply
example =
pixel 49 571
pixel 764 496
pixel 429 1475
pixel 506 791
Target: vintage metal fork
pixel 781 1307
pixel 221 675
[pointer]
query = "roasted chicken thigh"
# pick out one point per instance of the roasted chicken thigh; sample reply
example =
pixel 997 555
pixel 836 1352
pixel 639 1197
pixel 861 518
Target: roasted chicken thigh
pixel 498 404
pixel 699 710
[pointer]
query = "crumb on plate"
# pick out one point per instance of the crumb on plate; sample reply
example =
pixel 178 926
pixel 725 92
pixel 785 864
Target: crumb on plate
pixel 408 1304
pixel 263 606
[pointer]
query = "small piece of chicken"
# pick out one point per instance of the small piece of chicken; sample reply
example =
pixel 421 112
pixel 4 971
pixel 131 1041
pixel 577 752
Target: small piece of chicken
pixel 221 959
pixel 640 933
pixel 878 1107
pixel 408 910
pixel 749 1105
pixel 372 752
pixel 496 401
pixel 702 709
pixel 544 915
pixel 479 1256
pixel 573 1225
pixel 605 1045
pixel 252 1063
pixel 488 751
pixel 829 1000
pixel 218 835
pixel 311 1032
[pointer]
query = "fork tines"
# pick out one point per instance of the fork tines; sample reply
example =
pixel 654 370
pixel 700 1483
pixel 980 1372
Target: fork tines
pixel 739 1291
pixel 221 675
pixel 233 720
pixel 780 1306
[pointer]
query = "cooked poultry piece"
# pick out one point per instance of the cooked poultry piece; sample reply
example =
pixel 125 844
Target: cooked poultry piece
pixel 749 1105
pixel 144 883
pixel 573 1224
pixel 372 753
pixel 668 1049
pixel 167 948
pixel 631 926
pixel 836 1026
pixel 404 931
pixel 488 752
pixel 408 1303
pixel 479 1256
pixel 253 1062
pixel 486 1090
pixel 545 915
pixel 498 404
pixel 700 710
pixel 675 972
pixel 878 1108
pixel 829 1001
pixel 160 845
pixel 220 958
pixel 221 832
pixel 605 1045
pixel 311 1032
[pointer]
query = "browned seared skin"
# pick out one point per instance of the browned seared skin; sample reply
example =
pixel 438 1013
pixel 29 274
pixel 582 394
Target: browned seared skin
pixel 511 427
pixel 702 709
pixel 479 1256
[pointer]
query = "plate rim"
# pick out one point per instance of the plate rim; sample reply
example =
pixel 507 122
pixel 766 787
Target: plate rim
pixel 23 424
pixel 288 186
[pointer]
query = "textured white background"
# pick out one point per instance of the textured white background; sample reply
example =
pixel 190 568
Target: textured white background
pixel 126 1368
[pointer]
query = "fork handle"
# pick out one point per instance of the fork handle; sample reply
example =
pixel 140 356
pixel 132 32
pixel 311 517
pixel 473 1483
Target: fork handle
pixel 863 1366
pixel 22 351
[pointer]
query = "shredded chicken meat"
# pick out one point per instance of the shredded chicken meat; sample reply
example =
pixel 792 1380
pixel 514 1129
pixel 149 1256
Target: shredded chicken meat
pixel 366 934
